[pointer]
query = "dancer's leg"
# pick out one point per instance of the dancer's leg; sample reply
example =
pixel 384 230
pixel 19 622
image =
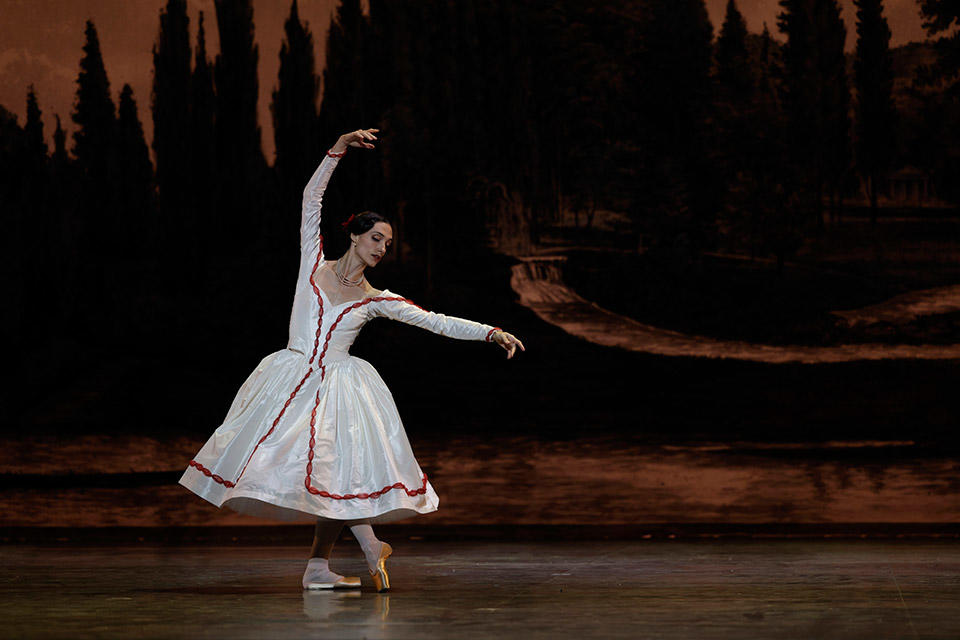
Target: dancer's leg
pixel 325 535
pixel 363 532
pixel 375 551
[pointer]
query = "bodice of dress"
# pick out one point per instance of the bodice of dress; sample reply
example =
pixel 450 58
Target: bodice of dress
pixel 324 332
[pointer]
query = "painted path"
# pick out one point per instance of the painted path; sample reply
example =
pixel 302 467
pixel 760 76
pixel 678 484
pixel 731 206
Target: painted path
pixel 541 288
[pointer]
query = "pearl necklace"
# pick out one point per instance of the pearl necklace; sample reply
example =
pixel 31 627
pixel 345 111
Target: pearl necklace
pixel 346 281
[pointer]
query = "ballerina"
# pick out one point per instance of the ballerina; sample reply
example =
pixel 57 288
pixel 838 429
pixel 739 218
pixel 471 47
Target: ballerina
pixel 313 434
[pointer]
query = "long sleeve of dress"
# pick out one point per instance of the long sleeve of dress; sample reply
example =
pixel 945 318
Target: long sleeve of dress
pixel 401 309
pixel 311 246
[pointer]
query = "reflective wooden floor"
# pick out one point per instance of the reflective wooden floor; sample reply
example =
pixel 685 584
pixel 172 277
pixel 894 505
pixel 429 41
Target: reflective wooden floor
pixel 779 590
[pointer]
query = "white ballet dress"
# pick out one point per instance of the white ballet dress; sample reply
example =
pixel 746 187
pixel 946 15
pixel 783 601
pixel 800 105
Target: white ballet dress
pixel 314 431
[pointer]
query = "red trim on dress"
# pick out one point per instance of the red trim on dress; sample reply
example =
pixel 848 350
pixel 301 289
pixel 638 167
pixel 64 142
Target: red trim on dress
pixel 211 474
pixel 316 342
pixel 293 394
pixel 316 404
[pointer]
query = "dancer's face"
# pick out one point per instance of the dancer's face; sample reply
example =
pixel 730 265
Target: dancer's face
pixel 372 246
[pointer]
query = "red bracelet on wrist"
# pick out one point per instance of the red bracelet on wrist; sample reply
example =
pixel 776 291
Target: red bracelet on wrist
pixel 334 154
pixel 490 333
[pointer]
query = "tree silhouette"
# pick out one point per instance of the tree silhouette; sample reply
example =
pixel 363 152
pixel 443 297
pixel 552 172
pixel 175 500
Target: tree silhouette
pixel 816 97
pixel 680 200
pixel 137 194
pixel 237 87
pixel 95 148
pixel 836 155
pixel 247 270
pixel 738 128
pixel 764 203
pixel 136 268
pixel 63 221
pixel 171 144
pixel 33 129
pixel 36 234
pixel 202 176
pixel 18 319
pixel 294 111
pixel 876 115
pixel 733 64
pixel 240 163
pixel 59 156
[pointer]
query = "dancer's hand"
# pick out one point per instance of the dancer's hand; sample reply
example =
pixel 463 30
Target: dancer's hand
pixel 508 341
pixel 358 138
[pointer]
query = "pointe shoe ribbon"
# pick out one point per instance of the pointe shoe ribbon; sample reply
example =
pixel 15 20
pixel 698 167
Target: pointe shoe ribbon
pixel 380 576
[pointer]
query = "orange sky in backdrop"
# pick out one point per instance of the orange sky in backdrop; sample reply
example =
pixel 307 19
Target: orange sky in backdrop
pixel 41 41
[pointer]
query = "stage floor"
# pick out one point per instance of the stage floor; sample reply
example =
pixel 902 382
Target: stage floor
pixel 781 589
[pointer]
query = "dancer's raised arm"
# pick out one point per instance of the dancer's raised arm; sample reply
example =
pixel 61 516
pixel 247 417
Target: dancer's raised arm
pixel 313 192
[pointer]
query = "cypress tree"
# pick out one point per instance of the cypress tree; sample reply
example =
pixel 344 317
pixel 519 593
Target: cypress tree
pixel 63 217
pixel 34 243
pixel 294 111
pixel 36 144
pixel 18 318
pixel 876 115
pixel 237 87
pixel 59 157
pixel 94 112
pixel 240 163
pixel 675 77
pixel 136 168
pixel 737 126
pixel 202 161
pixel 247 274
pixel 171 113
pixel 801 86
pixel 95 148
pixel 735 87
pixel 836 155
pixel 733 64
pixel 137 222
pixel 816 96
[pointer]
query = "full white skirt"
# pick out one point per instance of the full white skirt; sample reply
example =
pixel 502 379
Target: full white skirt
pixel 362 464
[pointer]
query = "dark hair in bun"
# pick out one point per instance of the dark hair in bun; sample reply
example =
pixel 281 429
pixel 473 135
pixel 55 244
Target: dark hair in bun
pixel 362 222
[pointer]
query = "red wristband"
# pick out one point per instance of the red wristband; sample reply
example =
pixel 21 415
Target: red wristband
pixel 334 154
pixel 490 333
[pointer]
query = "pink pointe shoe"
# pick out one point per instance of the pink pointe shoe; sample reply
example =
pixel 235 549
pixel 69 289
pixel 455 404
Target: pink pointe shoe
pixel 380 576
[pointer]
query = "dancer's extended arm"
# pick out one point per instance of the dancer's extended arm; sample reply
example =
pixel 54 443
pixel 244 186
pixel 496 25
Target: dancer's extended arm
pixel 404 310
